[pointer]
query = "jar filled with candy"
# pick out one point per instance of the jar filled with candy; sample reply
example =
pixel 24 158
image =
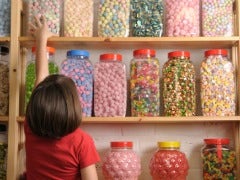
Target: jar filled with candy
pixel 5 17
pixel 121 162
pixel 217 17
pixel 168 162
pixel 31 68
pixel 51 9
pixel 147 18
pixel 113 18
pixel 144 83
pixel 182 17
pixel 76 25
pixel 110 86
pixel 217 84
pixel 179 94
pixel 219 160
pixel 78 67
pixel 4 80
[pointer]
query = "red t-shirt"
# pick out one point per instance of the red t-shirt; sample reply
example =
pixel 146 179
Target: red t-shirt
pixel 59 159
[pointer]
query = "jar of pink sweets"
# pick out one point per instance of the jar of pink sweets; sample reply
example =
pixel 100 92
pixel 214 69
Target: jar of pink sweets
pixel 110 86
pixel 121 162
pixel 168 162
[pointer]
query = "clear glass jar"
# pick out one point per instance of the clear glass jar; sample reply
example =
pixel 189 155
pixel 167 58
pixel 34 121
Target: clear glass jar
pixel 217 84
pixel 113 18
pixel 168 162
pixel 179 93
pixel 76 25
pixel 3 151
pixel 5 17
pixel 121 162
pixel 217 17
pixel 147 18
pixel 78 66
pixel 51 9
pixel 144 83
pixel 4 80
pixel 219 160
pixel 31 70
pixel 110 86
pixel 182 18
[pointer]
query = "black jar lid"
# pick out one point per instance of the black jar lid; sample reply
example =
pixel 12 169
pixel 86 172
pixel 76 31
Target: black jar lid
pixel 4 50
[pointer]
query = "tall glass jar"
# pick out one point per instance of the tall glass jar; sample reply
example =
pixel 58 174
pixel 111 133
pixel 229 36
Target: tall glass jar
pixel 5 17
pixel 78 66
pixel 217 84
pixel 121 162
pixel 144 83
pixel 182 17
pixel 31 70
pixel 4 80
pixel 168 162
pixel 179 94
pixel 113 18
pixel 147 18
pixel 219 160
pixel 217 17
pixel 76 25
pixel 110 86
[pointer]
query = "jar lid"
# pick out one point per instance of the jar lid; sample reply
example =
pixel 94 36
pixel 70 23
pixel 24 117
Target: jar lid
pixel 78 53
pixel 179 54
pixel 150 52
pixel 118 144
pixel 4 50
pixel 216 52
pixel 110 57
pixel 217 141
pixel 167 144
pixel 50 50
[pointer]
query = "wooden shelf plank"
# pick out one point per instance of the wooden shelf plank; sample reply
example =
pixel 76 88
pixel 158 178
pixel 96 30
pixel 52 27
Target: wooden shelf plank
pixel 4 118
pixel 141 42
pixel 5 40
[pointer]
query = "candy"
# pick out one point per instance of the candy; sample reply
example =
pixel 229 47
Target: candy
pixel 147 18
pixel 179 94
pixel 110 86
pixel 182 18
pixel 76 25
pixel 217 17
pixel 79 68
pixel 113 18
pixel 5 17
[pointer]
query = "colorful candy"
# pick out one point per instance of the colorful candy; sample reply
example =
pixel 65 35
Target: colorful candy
pixel 147 18
pixel 113 18
pixel 217 84
pixel 5 17
pixel 182 18
pixel 80 69
pixel 76 25
pixel 179 94
pixel 110 86
pixel 217 17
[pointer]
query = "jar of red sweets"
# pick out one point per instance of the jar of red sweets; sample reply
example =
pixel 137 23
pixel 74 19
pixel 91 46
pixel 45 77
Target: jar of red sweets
pixel 121 162
pixel 168 162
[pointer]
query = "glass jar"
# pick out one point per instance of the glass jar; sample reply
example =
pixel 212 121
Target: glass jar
pixel 121 162
pixel 78 67
pixel 217 84
pixel 217 17
pixel 147 18
pixel 31 70
pixel 4 80
pixel 168 162
pixel 5 17
pixel 3 151
pixel 110 86
pixel 179 94
pixel 144 83
pixel 76 25
pixel 182 18
pixel 113 18
pixel 51 9
pixel 219 160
